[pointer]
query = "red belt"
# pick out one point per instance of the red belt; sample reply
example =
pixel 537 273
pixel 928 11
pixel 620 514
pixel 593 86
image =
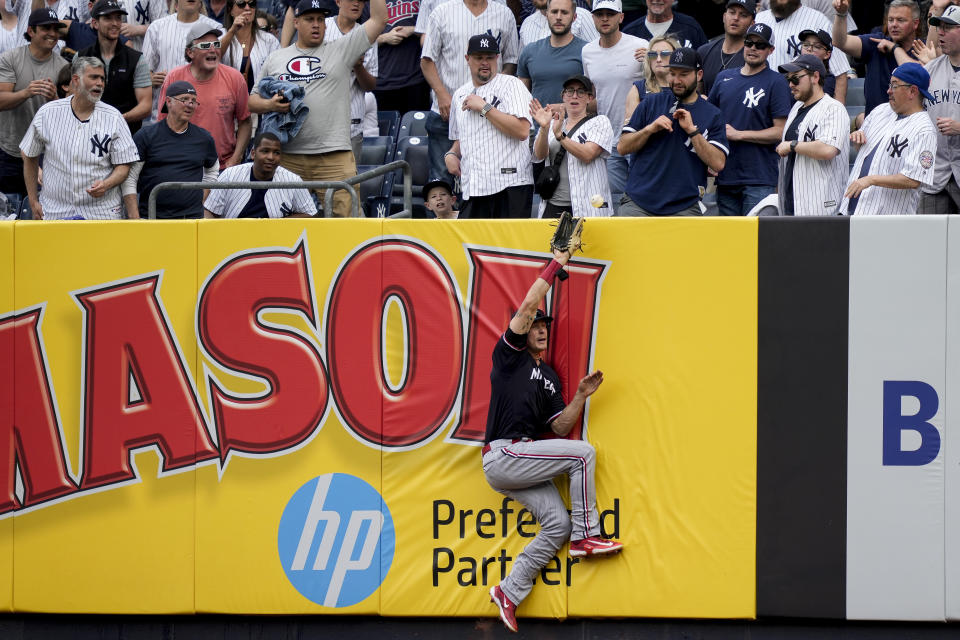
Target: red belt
pixel 486 448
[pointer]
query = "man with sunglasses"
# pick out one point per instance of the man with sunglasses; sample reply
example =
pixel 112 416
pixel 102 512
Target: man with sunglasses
pixel 898 144
pixel 221 94
pixel 755 101
pixel 815 146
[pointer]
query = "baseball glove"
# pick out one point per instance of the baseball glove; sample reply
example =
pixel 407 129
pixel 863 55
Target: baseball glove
pixel 567 236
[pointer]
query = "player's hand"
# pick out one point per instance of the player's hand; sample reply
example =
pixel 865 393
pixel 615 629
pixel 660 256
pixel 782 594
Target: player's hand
pixel 948 126
pixel 562 256
pixel 279 103
pixel 733 135
pixel 156 79
pixel 841 6
pixel 640 55
pixel 36 209
pixel 97 189
pixel 590 383
pixel 540 114
pixel 883 45
pixel 858 138
pixel 783 149
pixel 662 123
pixel 452 163
pixel 473 102
pixel 683 117
pixel 857 186
pixel 443 103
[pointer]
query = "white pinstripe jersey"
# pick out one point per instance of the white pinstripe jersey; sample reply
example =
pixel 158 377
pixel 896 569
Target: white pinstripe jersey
pixel 449 30
pixel 492 160
pixel 904 145
pixel 65 10
pixel 370 63
pixel 164 45
pixel 818 186
pixel 143 13
pixel 587 180
pixel 535 27
pixel 945 89
pixel 787 42
pixel 279 202
pixel 427 7
pixel 75 155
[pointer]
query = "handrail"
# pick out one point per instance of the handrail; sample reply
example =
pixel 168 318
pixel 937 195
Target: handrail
pixel 329 185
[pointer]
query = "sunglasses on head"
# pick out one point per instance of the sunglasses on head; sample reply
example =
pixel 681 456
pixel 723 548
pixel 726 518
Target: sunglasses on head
pixel 203 46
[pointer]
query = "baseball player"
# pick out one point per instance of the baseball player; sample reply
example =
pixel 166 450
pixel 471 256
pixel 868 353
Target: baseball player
pixel 490 124
pixel 525 402
pixel 943 196
pixel 897 149
pixel 813 152
pixel 87 151
pixel 536 26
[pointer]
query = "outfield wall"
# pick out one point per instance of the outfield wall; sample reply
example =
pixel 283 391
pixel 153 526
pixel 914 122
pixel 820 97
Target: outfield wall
pixel 285 417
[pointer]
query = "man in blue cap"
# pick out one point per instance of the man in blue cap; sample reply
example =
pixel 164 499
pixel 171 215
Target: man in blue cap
pixel 898 146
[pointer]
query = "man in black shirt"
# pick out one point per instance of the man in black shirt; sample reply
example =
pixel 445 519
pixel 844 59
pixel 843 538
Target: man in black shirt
pixel 525 402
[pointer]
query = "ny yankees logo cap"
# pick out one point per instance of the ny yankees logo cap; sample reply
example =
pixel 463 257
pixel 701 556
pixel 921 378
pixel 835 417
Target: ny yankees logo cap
pixel 951 16
pixel 106 7
pixel 821 35
pixel 309 6
pixel 748 5
pixel 44 16
pixel 915 74
pixel 484 43
pixel 609 5
pixel 761 31
pixel 685 58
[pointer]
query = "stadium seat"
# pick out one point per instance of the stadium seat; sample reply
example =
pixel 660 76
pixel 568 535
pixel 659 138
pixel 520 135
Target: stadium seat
pixel 413 123
pixel 414 151
pixel 855 97
pixel 373 199
pixel 389 123
pixel 378 150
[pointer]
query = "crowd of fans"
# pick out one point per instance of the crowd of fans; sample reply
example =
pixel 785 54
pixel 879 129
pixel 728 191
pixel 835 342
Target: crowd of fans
pixel 533 107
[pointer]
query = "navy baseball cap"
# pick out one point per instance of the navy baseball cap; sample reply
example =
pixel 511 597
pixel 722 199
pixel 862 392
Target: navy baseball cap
pixel 106 7
pixel 483 43
pixel 684 58
pixel 310 6
pixel 44 16
pixel 914 73
pixel 178 88
pixel 582 79
pixel 950 17
pixel 436 184
pixel 820 35
pixel 806 62
pixel 761 31
pixel 542 316
pixel 749 5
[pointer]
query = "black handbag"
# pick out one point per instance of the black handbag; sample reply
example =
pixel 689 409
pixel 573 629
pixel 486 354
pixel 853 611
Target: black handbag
pixel 549 178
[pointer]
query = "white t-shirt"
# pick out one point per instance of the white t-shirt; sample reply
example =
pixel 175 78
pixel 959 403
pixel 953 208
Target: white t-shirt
pixel 613 71
pixel 370 63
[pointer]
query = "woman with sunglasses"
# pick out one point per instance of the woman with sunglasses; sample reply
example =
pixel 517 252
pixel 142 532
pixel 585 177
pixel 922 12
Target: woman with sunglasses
pixel 655 73
pixel 245 45
pixel 586 141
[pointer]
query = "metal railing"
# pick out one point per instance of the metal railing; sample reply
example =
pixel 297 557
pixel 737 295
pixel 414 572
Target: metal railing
pixel 330 185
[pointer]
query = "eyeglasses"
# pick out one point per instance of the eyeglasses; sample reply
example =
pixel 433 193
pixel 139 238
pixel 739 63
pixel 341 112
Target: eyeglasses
pixel 187 102
pixel 203 46
pixel 898 85
pixel 243 5
pixel 795 79
pixel 755 44
pixel 580 93
pixel 813 46
pixel 653 55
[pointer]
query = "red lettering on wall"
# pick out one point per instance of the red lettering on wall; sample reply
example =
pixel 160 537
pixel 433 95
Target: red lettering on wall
pixel 500 280
pixel 288 363
pixel 30 433
pixel 137 390
pixel 413 276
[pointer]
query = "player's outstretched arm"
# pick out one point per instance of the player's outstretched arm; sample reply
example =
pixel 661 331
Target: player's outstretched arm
pixel 568 417
pixel 523 320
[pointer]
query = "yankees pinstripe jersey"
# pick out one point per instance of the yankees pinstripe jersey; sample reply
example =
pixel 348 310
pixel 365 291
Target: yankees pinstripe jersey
pixel 449 30
pixel 786 37
pixel 279 202
pixel 164 45
pixel 587 180
pixel 945 89
pixel 536 27
pixel 75 155
pixel 613 70
pixel 427 7
pixel 818 185
pixel 357 100
pixel 492 160
pixel 895 144
pixel 142 13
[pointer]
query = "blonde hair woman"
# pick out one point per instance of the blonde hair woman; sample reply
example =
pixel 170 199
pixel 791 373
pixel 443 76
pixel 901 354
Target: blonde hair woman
pixel 655 72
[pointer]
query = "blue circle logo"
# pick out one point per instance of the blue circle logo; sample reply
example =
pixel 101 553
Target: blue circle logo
pixel 336 540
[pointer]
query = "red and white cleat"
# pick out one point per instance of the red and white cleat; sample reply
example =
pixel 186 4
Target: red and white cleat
pixel 594 546
pixel 508 610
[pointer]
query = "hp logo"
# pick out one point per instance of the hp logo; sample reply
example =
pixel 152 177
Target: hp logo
pixel 336 540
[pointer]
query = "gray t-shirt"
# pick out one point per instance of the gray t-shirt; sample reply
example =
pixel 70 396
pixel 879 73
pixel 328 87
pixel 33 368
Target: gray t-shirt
pixel 21 68
pixel 325 72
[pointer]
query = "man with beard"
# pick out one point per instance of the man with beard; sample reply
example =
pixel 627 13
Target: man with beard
pixel 877 53
pixel 490 123
pixel 755 101
pixel 674 138
pixel 128 76
pixel 727 52
pixel 221 93
pixel 86 148
pixel 661 19
pixel 546 63
pixel 815 146
pixel 172 150
pixel 538 25
pixel 788 18
pixel 260 203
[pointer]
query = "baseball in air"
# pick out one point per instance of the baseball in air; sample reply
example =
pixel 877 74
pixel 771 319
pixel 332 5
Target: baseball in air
pixel 596 200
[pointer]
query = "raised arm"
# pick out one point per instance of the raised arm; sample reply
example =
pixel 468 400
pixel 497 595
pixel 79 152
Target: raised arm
pixel 521 322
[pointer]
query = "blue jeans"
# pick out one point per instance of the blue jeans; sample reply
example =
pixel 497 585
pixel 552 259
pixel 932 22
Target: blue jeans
pixel 617 172
pixel 438 143
pixel 738 200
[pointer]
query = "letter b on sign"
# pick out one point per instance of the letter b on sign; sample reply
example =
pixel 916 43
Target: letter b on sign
pixel 336 540
pixel 895 423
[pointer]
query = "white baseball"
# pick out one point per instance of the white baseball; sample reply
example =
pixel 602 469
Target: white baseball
pixel 596 200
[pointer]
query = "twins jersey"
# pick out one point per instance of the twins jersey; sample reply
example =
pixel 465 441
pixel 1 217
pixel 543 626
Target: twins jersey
pixel 426 8
pixel 142 13
pixel 613 70
pixel 895 145
pixel 945 89
pixel 818 185
pixel 587 180
pixel 357 100
pixel 75 155
pixel 229 203
pixel 491 160
pixel 449 30
pixel 164 45
pixel 536 27
pixel 787 42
